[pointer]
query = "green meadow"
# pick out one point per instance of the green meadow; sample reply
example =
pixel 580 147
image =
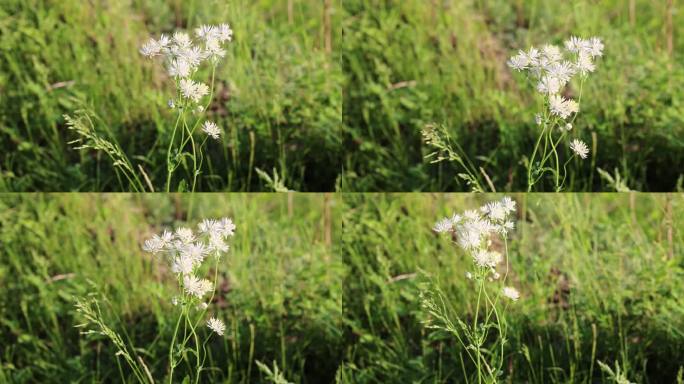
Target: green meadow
pixel 278 291
pixel 410 64
pixel 601 279
pixel 277 98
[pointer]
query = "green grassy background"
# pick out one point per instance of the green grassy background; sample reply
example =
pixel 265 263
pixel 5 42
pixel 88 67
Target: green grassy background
pixel 408 63
pixel 279 286
pixel 278 92
pixel 603 272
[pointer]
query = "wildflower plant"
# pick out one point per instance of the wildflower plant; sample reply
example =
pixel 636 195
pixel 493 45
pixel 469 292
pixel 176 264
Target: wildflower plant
pixel 482 336
pixel 185 252
pixel 182 58
pixel 552 69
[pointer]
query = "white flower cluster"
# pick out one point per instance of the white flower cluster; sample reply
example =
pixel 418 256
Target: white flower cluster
pixel 474 229
pixel 185 251
pixel 553 72
pixel 182 57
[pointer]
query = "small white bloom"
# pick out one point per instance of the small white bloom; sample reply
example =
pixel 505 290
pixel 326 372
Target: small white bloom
pixel 549 85
pixel 227 227
pixel 171 104
pixel 182 265
pixel 151 48
pixel 195 286
pixel 495 211
pixel 202 306
pixel 519 62
pixel 182 40
pixel 153 245
pixel 174 300
pixel 185 235
pixel 211 129
pixel 595 47
pixel 538 119
pixel 584 64
pixel 179 68
pixel 469 275
pixel 568 127
pixel 561 107
pixel 575 44
pixel 206 31
pixel 225 33
pixel 511 293
pixel 552 53
pixel 443 225
pixel 508 204
pixel 580 148
pixel 192 90
pixel 216 325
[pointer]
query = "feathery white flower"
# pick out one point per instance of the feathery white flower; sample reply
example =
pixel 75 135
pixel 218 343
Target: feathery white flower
pixel 561 107
pixel 519 61
pixel 549 85
pixel 196 287
pixel 485 258
pixel 508 204
pixel 444 225
pixel 211 129
pixel 225 33
pixel 206 31
pixel 584 64
pixel 511 293
pixel 179 68
pixel 580 148
pixel 595 47
pixel 227 227
pixel 192 90
pixel 151 48
pixel 182 40
pixel 216 325
pixel 552 53
pixel 185 235
pixel 153 245
pixel 182 265
pixel 494 210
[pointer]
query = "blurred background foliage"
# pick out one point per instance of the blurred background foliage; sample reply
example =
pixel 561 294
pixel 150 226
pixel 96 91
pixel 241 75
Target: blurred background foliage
pixel 279 289
pixel 601 279
pixel 278 91
pixel 414 62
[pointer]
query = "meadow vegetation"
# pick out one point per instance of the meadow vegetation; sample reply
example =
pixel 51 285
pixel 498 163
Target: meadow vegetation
pixel 278 290
pixel 601 281
pixel 277 99
pixel 415 64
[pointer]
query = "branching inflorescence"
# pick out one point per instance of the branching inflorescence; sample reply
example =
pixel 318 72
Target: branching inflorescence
pixel 185 251
pixel 182 59
pixel 552 71
pixel 474 231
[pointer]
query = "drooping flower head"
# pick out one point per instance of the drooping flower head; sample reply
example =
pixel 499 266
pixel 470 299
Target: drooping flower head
pixel 216 325
pixel 579 148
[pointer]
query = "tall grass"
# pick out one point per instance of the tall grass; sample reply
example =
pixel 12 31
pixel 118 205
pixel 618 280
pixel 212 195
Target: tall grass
pixel 600 280
pixel 414 63
pixel 277 95
pixel 279 287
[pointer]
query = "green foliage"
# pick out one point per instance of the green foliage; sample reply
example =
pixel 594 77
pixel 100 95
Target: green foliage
pixel 601 279
pixel 279 287
pixel 277 95
pixel 413 63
